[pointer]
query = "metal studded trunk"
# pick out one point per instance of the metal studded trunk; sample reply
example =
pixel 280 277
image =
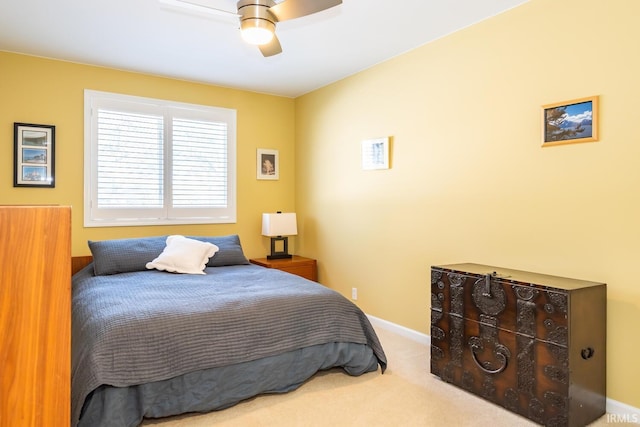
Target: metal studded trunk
pixel 532 343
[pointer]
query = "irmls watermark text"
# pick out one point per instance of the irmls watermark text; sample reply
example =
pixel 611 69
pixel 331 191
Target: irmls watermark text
pixel 623 418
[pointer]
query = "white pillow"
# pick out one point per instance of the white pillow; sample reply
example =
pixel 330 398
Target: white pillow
pixel 182 255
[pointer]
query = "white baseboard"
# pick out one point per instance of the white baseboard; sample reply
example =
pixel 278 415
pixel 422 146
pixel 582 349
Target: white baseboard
pixel 617 412
pixel 400 330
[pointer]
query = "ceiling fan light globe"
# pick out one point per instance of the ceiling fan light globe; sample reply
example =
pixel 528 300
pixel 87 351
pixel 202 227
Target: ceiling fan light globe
pixel 257 36
pixel 257 31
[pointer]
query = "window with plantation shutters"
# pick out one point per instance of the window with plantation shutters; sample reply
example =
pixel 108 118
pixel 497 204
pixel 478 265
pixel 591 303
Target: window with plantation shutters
pixel 150 161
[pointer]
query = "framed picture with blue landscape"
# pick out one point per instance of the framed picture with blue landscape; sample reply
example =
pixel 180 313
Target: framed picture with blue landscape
pixel 570 122
pixel 33 159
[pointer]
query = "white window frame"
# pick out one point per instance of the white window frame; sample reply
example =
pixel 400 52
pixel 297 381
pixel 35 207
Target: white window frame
pixel 95 217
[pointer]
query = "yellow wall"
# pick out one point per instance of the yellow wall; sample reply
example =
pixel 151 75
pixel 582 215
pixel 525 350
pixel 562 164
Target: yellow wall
pixel 469 180
pixel 41 91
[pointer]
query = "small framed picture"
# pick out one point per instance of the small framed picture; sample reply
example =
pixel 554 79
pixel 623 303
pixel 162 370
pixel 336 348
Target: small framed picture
pixel 375 154
pixel 570 122
pixel 34 155
pixel 268 164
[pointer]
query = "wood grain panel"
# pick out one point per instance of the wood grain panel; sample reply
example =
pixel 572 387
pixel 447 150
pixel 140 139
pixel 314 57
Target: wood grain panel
pixel 79 262
pixel 35 319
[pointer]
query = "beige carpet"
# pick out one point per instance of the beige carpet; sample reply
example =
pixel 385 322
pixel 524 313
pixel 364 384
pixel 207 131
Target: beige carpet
pixel 406 395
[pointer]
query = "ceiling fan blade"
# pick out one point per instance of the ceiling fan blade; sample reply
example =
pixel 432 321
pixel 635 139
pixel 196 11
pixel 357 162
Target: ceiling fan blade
pixel 291 9
pixel 197 8
pixel 271 48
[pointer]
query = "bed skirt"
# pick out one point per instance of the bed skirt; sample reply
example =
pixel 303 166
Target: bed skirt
pixel 219 388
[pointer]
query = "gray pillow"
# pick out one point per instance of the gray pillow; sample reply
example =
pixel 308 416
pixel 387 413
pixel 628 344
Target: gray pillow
pixel 230 252
pixel 125 255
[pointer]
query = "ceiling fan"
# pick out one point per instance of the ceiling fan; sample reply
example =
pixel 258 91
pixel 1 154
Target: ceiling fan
pixel 258 18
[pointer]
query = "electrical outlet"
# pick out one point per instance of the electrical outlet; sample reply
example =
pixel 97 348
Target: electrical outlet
pixel 354 293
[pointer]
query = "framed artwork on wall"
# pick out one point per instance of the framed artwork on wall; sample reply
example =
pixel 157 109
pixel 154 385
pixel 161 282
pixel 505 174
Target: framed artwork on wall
pixel 375 154
pixel 268 164
pixel 570 122
pixel 34 155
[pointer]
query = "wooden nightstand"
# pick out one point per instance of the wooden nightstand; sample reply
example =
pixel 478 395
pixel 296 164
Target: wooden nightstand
pixel 301 266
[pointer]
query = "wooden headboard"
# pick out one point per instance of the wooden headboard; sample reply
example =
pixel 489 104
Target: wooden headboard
pixel 79 262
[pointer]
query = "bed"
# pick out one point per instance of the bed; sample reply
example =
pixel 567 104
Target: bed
pixel 152 343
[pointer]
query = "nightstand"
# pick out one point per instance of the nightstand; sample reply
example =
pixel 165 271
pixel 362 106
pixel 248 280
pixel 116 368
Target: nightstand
pixel 301 266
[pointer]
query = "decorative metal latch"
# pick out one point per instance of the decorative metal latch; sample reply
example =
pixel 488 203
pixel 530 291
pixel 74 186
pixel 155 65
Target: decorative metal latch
pixel 486 292
pixel 489 296
pixel 487 284
pixel 501 352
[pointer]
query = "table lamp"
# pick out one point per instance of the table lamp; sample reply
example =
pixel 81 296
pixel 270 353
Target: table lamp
pixel 278 226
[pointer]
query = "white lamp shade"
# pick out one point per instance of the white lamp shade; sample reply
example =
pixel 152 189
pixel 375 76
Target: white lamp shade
pixel 279 224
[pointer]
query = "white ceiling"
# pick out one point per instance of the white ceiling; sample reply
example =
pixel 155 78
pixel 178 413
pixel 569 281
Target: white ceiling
pixel 145 36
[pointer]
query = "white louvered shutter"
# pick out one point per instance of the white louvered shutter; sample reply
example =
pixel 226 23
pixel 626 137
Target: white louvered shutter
pixel 156 162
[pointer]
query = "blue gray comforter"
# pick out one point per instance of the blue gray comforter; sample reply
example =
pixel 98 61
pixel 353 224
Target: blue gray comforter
pixel 139 327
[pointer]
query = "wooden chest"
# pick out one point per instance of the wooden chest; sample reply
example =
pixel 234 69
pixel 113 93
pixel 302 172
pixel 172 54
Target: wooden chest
pixel 532 343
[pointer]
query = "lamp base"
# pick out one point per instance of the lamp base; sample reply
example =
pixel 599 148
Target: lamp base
pixel 284 253
pixel 285 256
